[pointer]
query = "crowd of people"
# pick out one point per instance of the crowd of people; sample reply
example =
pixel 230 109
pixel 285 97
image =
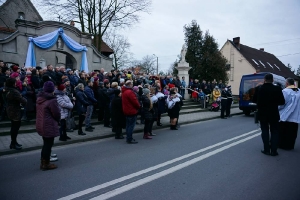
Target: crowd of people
pixel 116 97
pixel 55 95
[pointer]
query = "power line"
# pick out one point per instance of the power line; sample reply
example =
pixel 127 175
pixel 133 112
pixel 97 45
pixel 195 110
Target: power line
pixel 288 54
pixel 278 41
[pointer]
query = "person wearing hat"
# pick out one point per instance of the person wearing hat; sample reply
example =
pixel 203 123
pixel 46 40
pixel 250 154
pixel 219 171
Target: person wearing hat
pixel 65 106
pixel 229 101
pixel 223 102
pixel 13 100
pixel 15 68
pixel 47 120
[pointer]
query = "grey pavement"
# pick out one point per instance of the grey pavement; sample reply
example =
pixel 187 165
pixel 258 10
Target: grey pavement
pixel 33 140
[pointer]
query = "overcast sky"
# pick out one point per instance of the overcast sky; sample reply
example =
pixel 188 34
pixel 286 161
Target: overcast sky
pixel 270 24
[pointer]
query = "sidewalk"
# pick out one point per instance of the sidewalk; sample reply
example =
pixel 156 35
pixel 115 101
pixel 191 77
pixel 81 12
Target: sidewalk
pixel 32 141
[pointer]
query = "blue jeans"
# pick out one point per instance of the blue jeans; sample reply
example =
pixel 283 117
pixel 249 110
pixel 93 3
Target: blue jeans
pixel 89 112
pixel 130 124
pixel 182 92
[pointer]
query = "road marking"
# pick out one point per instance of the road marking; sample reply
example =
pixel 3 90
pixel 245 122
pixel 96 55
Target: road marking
pixel 127 177
pixel 158 175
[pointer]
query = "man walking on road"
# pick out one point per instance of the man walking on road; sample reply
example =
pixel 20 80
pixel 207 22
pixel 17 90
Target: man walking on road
pixel 268 97
pixel 130 106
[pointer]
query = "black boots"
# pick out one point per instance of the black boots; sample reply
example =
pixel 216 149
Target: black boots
pixel 173 127
pixel 15 146
pixel 80 132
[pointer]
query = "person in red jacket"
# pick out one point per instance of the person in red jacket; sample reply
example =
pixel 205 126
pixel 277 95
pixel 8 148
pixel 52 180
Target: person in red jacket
pixel 130 106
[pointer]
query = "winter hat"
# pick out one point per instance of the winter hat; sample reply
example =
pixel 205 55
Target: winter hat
pixel 15 68
pixel 101 83
pixel 105 81
pixel 61 87
pixel 48 87
pixel 146 91
pixel 14 75
pixel 135 88
pixel 96 79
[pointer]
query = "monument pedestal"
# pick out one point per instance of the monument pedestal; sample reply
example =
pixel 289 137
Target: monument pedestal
pixel 183 71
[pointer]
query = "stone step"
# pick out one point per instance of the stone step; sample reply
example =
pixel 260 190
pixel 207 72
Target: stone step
pixel 6 123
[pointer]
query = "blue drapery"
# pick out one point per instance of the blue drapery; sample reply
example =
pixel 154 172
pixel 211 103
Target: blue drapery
pixel 48 40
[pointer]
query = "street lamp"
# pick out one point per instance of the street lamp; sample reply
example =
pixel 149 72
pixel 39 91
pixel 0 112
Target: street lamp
pixel 156 64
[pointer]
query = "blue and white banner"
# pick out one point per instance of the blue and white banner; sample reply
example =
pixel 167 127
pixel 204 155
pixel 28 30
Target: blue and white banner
pixel 50 39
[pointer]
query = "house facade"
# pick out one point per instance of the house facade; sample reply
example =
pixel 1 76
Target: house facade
pixel 243 60
pixel 24 22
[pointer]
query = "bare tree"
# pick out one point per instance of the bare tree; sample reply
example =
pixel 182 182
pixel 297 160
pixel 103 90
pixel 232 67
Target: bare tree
pixel 122 56
pixel 148 64
pixel 96 16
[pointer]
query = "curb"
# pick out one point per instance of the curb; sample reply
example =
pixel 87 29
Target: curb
pixel 7 132
pixel 9 152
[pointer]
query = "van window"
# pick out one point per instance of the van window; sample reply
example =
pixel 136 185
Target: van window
pixel 249 88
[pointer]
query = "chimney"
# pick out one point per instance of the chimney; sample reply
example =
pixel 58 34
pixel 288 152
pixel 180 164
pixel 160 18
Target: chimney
pixel 236 42
pixel 262 49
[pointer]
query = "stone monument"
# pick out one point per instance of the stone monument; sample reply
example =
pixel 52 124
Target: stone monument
pixel 183 69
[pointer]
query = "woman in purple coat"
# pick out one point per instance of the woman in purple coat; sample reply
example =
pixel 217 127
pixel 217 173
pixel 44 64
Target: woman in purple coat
pixel 47 119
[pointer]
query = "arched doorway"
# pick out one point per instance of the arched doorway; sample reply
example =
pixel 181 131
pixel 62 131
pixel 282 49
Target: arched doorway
pixel 63 57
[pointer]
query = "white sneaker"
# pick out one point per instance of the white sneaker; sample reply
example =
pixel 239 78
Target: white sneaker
pixel 53 159
pixel 54 155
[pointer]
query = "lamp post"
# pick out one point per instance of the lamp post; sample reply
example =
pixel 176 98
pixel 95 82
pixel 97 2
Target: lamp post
pixel 156 64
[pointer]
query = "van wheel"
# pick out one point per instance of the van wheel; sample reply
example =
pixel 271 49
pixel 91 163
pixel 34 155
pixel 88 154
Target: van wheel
pixel 247 112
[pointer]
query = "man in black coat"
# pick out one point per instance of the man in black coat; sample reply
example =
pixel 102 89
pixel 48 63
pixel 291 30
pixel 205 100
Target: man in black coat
pixel 223 102
pixel 268 97
pixel 118 119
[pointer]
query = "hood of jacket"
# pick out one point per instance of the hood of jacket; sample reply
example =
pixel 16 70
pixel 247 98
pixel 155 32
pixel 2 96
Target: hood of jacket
pixel 124 88
pixel 44 96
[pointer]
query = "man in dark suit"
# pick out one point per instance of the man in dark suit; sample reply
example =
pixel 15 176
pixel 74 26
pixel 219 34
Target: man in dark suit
pixel 268 97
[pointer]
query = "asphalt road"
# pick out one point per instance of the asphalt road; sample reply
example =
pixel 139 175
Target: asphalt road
pixel 216 159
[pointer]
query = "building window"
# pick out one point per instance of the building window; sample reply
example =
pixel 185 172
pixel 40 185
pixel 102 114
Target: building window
pixel 21 15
